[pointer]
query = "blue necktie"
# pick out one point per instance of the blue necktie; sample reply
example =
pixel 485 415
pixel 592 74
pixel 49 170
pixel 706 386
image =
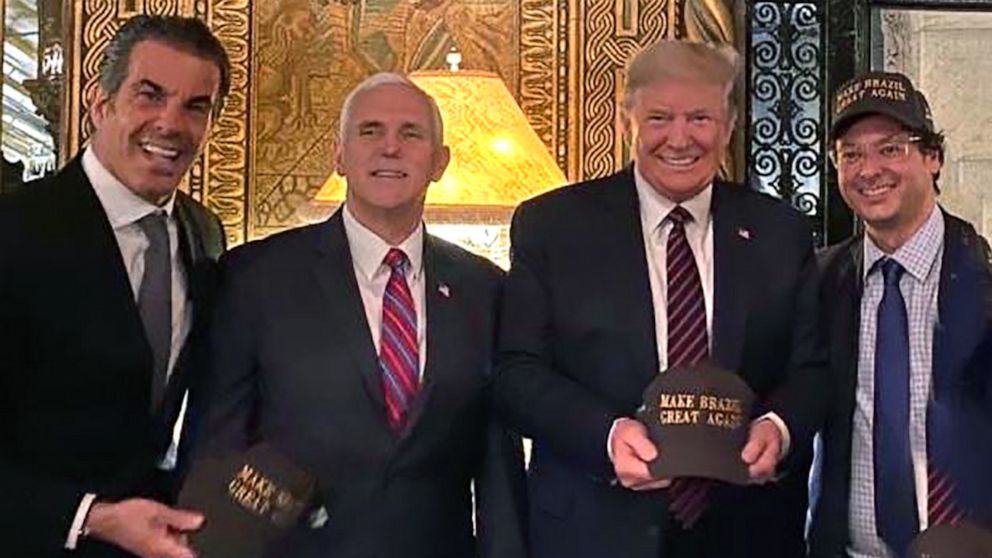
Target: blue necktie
pixel 896 518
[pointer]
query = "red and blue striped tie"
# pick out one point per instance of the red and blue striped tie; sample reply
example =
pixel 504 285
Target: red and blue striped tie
pixel 688 343
pixel 398 347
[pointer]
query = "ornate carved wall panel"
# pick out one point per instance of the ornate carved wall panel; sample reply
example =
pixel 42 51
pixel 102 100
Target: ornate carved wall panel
pixel 294 60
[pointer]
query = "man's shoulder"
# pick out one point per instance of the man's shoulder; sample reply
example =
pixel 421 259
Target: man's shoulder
pixel 280 252
pixel 585 193
pixel 763 205
pixel 467 263
pixel 964 233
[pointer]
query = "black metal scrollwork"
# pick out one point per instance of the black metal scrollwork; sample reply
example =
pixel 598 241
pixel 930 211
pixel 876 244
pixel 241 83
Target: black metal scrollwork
pixel 786 118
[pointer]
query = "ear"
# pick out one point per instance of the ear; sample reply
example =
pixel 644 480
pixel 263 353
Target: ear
pixel 728 132
pixel 100 107
pixel 623 119
pixel 440 163
pixel 931 160
pixel 339 158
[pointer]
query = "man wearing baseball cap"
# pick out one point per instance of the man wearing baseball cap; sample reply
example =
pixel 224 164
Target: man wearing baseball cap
pixel 906 443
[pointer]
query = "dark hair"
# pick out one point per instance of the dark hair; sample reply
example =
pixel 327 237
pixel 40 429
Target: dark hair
pixel 184 33
pixel 932 143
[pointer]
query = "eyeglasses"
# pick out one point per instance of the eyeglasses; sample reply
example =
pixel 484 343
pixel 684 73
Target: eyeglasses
pixel 849 157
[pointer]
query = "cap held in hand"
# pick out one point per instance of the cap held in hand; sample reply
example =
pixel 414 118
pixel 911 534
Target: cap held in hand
pixel 699 417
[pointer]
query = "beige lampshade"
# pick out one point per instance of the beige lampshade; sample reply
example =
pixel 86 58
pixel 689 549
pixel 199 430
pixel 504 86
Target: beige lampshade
pixel 497 160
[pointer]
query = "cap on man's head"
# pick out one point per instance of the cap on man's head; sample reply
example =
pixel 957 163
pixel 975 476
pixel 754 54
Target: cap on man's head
pixel 886 93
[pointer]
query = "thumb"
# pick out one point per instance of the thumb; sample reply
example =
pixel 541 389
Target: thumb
pixel 753 449
pixel 181 520
pixel 643 447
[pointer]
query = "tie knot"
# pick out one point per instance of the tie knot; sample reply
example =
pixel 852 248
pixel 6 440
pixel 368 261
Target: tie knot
pixel 396 260
pixel 679 216
pixel 891 270
pixel 154 225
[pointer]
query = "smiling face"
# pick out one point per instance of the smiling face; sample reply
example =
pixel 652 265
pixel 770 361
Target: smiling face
pixel 679 134
pixel 148 133
pixel 894 195
pixel 389 154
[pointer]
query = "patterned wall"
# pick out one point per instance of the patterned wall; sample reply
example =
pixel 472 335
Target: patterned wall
pixel 294 60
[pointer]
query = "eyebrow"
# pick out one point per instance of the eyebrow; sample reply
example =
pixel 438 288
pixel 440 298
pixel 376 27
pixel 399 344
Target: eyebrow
pixel 889 137
pixel 199 99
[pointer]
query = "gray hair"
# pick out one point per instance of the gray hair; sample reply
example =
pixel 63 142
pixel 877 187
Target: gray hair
pixel 681 60
pixel 184 33
pixel 389 78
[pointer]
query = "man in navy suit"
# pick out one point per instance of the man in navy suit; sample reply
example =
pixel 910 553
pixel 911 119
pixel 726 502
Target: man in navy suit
pixel 908 306
pixel 362 347
pixel 595 306
pixel 106 276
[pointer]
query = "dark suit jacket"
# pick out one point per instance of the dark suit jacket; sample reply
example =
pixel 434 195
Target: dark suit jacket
pixel 578 346
pixel 75 367
pixel 294 364
pixel 960 410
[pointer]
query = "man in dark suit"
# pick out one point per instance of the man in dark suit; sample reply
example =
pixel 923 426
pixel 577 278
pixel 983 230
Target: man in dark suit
pixel 908 306
pixel 361 348
pixel 595 306
pixel 106 271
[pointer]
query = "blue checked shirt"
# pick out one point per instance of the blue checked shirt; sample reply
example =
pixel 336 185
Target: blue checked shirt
pixel 921 258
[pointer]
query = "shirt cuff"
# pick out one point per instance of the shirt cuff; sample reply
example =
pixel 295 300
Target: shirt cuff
pixel 79 521
pixel 783 430
pixel 609 438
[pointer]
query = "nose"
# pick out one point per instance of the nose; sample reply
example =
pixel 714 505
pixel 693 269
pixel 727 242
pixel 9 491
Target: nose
pixel 391 145
pixel 678 133
pixel 170 118
pixel 869 166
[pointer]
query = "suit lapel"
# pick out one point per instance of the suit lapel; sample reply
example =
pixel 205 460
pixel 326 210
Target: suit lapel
pixel 334 272
pixel 845 328
pixel 442 327
pixel 961 322
pixel 109 287
pixel 622 252
pixel 732 276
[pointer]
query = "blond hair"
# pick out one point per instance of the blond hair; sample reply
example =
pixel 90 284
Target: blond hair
pixel 679 60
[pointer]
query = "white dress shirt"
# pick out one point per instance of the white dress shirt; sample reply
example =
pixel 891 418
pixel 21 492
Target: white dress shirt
pixel 124 209
pixel 654 208
pixel 368 252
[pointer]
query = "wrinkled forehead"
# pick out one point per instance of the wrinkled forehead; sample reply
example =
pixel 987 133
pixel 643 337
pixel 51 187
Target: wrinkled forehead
pixel 174 69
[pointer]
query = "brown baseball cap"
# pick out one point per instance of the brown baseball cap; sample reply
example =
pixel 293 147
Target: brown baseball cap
pixel 887 93
pixel 699 416
pixel 961 540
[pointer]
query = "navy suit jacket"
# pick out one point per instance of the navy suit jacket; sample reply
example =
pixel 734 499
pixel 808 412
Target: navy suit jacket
pixel 75 366
pixel 578 347
pixel 294 364
pixel 960 410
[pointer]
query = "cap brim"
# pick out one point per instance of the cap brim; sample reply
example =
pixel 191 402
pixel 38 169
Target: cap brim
pixel 849 117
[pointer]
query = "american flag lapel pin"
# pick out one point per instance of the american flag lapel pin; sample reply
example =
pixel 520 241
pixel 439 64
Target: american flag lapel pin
pixel 444 290
pixel 744 233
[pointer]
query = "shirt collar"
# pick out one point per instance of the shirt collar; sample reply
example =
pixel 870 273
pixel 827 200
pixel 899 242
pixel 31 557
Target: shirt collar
pixel 368 250
pixel 918 255
pixel 122 206
pixel 655 207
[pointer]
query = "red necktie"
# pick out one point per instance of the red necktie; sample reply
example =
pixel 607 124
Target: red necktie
pixel 398 347
pixel 942 505
pixel 688 343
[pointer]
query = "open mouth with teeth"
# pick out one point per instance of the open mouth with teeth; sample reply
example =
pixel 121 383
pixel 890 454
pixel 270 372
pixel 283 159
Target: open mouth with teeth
pixel 679 162
pixel 875 190
pixel 391 174
pixel 168 153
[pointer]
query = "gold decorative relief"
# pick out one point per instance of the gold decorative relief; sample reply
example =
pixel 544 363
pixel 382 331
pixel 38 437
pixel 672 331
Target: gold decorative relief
pixel 225 157
pixel 609 37
pixel 308 54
